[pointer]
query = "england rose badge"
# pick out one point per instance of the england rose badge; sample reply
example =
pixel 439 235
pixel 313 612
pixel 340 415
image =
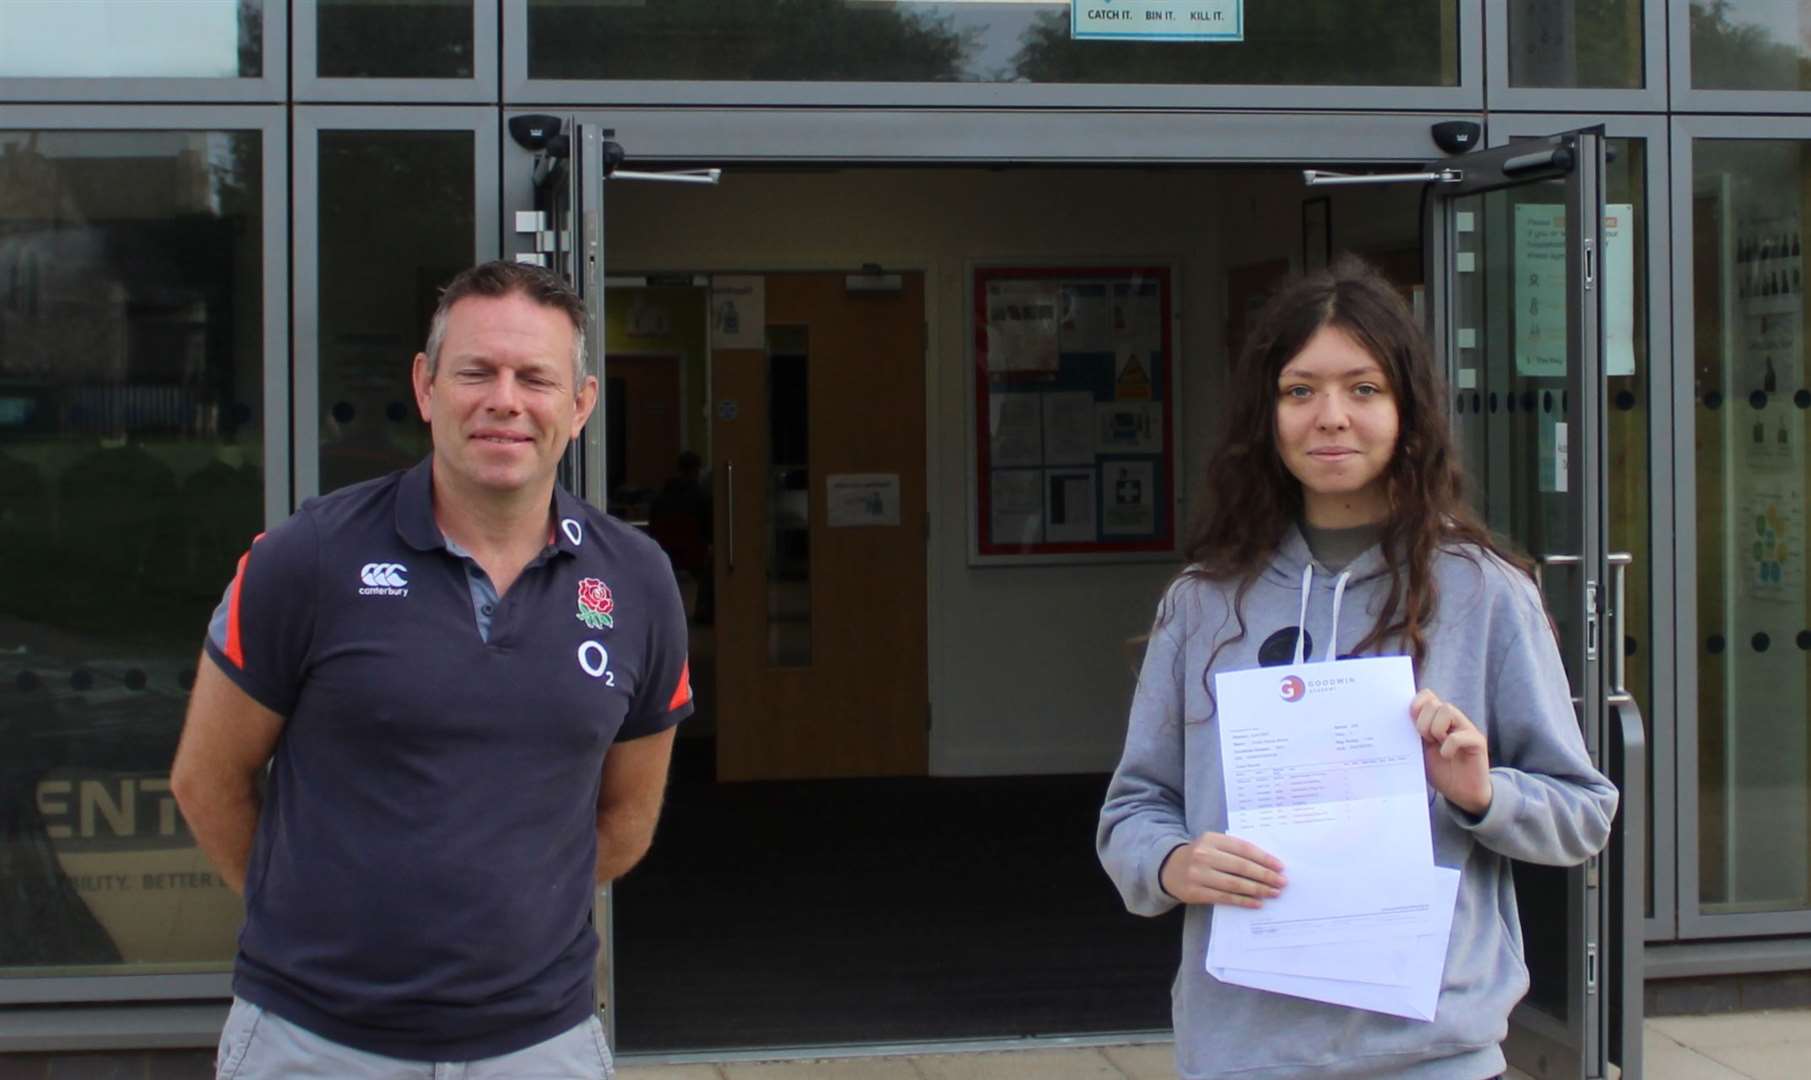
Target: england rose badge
pixel 595 604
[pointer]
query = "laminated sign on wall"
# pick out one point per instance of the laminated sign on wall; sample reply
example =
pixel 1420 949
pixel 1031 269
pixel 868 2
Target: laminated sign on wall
pixel 1073 401
pixel 738 312
pixel 1158 20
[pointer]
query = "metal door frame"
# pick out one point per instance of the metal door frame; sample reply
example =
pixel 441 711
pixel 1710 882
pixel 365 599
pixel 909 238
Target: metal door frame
pixel 1576 157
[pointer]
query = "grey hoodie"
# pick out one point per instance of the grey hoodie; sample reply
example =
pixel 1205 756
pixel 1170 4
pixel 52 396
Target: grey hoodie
pixel 1491 652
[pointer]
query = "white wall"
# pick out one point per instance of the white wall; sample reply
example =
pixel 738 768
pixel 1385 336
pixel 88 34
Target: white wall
pixel 1030 667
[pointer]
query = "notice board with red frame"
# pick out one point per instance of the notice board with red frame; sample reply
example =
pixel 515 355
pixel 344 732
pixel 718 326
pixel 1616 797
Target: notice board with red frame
pixel 1073 448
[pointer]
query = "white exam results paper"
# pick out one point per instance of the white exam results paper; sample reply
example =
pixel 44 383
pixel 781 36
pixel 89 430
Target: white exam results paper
pixel 1421 961
pixel 1324 770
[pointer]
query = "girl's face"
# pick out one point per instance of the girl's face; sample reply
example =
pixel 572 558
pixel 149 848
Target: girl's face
pixel 1336 429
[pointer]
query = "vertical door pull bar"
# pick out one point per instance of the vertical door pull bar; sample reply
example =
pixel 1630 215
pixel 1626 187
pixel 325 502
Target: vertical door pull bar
pixel 1591 620
pixel 729 485
pixel 1618 643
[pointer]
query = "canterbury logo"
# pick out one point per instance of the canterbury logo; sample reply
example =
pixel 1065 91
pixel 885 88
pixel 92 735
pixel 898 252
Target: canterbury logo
pixel 384 575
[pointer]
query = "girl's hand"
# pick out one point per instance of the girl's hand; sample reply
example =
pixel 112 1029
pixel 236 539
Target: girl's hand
pixel 1221 869
pixel 1454 751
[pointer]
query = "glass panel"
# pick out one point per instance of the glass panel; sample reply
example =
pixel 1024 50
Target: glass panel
pixel 789 498
pixel 657 342
pixel 397 221
pixel 1307 42
pixel 1587 43
pixel 100 39
pixel 397 39
pixel 1750 45
pixel 1748 297
pixel 131 479
pixel 1628 416
pixel 1517 421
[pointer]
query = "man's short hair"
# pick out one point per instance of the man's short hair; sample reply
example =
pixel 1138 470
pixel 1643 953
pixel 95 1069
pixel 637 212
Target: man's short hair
pixel 499 278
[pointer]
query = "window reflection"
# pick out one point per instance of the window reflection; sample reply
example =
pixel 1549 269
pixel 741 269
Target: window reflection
pixel 394 39
pixel 131 477
pixel 1306 42
pixel 1750 45
pixel 398 217
pixel 1575 43
pixel 99 39
pixel 1754 618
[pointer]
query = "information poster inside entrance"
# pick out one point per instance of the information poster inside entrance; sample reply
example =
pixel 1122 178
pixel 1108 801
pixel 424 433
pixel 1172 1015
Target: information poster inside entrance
pixel 1073 448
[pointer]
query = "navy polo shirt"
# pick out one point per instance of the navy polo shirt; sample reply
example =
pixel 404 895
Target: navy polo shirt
pixel 422 878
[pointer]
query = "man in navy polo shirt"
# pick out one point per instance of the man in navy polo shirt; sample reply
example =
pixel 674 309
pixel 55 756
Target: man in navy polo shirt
pixel 464 682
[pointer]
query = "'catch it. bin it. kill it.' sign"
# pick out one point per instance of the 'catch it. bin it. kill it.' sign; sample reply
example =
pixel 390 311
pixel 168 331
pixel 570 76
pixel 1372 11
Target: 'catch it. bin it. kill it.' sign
pixel 1158 20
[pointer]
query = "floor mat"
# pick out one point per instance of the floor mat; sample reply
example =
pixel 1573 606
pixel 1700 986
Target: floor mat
pixel 850 911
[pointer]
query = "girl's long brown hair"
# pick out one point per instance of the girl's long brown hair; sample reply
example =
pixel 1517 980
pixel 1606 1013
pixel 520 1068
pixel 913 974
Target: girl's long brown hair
pixel 1252 498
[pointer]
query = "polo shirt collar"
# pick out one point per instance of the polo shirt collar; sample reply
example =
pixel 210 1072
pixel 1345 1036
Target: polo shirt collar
pixel 415 513
pixel 415 508
pixel 570 520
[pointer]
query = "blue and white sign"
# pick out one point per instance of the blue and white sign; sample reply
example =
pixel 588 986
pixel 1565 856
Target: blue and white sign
pixel 1157 20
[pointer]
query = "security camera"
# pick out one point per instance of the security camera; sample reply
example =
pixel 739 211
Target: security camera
pixel 534 131
pixel 1457 136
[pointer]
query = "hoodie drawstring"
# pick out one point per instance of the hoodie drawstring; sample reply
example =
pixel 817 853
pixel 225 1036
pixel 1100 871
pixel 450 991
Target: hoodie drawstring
pixel 1339 592
pixel 1301 619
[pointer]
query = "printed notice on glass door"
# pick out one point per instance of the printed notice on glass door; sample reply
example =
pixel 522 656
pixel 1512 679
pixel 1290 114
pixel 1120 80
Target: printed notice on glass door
pixel 1157 20
pixel 1540 290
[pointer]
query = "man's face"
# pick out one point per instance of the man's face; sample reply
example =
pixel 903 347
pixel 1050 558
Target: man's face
pixel 501 403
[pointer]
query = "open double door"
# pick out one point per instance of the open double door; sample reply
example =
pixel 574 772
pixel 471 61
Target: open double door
pixel 1514 240
pixel 1515 245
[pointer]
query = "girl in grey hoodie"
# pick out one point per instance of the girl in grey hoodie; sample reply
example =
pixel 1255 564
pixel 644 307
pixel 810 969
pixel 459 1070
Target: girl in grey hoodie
pixel 1336 487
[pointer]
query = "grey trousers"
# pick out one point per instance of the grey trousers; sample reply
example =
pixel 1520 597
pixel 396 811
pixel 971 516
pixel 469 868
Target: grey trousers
pixel 257 1045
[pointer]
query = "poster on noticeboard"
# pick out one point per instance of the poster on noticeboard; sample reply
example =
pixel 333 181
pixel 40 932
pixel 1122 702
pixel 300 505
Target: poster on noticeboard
pixel 1073 453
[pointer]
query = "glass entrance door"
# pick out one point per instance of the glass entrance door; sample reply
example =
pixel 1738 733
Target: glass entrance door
pixel 1514 240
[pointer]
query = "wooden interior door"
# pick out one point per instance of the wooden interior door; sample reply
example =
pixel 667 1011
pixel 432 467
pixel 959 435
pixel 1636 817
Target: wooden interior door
pixel 651 410
pixel 856 705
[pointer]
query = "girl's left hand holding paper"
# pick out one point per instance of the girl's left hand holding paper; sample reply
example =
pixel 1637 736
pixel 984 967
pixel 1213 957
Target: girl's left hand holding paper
pixel 1454 751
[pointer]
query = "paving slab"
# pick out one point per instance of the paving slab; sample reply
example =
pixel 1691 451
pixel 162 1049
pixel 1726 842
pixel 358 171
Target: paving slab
pixel 1737 1029
pixel 1666 1059
pixel 1147 1061
pixel 873 1068
pixel 1775 1061
pixel 1076 1064
pixel 668 1072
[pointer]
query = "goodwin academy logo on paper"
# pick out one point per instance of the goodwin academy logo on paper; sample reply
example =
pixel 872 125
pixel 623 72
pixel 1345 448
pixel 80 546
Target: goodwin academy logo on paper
pixel 1293 689
pixel 595 604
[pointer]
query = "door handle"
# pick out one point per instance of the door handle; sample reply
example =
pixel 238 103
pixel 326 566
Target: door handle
pixel 1619 561
pixel 729 488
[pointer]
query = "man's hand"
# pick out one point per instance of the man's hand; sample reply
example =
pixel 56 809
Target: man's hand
pixel 1454 751
pixel 1221 869
pixel 227 738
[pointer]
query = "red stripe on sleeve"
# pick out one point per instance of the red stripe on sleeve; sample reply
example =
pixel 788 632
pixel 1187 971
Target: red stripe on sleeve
pixel 683 692
pixel 234 651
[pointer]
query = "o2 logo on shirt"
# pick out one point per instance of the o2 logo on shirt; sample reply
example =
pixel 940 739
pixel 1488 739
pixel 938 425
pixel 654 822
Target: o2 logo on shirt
pixel 1293 689
pixel 594 660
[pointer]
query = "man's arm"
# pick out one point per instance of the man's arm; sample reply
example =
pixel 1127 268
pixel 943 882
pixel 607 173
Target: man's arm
pixel 226 740
pixel 628 803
